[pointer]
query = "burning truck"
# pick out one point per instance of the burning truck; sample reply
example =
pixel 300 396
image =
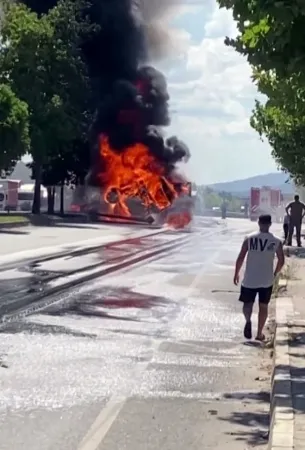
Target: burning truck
pixel 133 165
pixel 132 159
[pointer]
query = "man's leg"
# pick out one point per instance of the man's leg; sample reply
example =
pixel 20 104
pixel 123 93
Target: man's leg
pixel 290 233
pixel 247 296
pixel 285 228
pixel 298 233
pixel 264 299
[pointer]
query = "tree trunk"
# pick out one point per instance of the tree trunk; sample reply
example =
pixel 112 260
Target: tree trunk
pixel 37 189
pixel 51 199
pixel 62 199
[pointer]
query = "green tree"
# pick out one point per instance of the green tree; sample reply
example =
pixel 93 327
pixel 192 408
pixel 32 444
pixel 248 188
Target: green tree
pixel 286 135
pixel 271 37
pixel 68 167
pixel 271 34
pixel 281 119
pixel 42 59
pixel 232 202
pixel 211 199
pixel 14 129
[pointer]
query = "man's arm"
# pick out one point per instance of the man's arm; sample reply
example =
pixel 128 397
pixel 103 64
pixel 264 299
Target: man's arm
pixel 280 259
pixel 303 206
pixel 288 208
pixel 240 260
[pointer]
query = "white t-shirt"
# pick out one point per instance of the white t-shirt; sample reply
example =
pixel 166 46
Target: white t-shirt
pixel 259 271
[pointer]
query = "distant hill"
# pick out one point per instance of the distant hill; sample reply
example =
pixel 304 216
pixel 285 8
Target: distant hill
pixel 242 187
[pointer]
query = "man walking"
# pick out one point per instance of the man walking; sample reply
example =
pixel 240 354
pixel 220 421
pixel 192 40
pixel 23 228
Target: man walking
pixel 296 212
pixel 260 248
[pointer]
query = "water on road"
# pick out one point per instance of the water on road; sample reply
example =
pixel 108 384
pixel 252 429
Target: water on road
pixel 151 357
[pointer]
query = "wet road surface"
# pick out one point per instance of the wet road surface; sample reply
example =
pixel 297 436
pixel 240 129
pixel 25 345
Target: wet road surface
pixel 148 358
pixel 29 281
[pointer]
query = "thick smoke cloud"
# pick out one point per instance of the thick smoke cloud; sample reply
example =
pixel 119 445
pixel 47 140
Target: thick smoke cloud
pixel 133 95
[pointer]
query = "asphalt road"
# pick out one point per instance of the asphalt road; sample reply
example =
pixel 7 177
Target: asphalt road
pixel 30 238
pixel 149 358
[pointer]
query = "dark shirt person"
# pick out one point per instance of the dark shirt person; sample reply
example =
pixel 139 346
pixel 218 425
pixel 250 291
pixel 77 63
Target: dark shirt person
pixel 224 210
pixel 296 212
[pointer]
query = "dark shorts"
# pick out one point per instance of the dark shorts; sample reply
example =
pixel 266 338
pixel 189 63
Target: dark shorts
pixel 248 295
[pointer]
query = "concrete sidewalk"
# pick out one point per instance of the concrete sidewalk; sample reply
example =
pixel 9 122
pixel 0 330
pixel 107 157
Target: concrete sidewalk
pixel 288 390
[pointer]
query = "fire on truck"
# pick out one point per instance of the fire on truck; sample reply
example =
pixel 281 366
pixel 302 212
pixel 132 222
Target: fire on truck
pixel 265 200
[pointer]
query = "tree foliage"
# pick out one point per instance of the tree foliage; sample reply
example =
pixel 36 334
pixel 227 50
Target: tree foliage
pixel 271 33
pixel 69 166
pixel 272 38
pixel 213 199
pixel 42 59
pixel 14 128
pixel 285 134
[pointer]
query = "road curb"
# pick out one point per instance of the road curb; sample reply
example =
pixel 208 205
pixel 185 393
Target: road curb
pixel 10 225
pixel 281 408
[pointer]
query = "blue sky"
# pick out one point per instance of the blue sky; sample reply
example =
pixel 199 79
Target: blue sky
pixel 212 97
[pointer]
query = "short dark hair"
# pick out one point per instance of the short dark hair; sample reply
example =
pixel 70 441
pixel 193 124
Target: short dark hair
pixel 265 219
pixel 297 197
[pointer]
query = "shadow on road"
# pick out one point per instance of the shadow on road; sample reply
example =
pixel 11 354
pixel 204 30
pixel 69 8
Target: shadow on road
pixel 298 252
pixel 253 421
pixel 3 364
pixel 248 397
pixel 44 329
pixel 13 232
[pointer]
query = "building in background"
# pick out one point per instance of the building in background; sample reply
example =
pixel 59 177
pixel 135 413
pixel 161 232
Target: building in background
pixel 9 194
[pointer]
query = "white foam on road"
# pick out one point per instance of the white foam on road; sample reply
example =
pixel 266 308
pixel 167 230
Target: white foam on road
pixel 184 343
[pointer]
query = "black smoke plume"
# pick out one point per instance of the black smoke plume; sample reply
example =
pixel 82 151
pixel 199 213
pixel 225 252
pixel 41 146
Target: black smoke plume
pixel 132 96
pixel 134 101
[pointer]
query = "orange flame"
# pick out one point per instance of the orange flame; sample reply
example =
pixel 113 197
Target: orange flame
pixel 133 173
pixel 179 220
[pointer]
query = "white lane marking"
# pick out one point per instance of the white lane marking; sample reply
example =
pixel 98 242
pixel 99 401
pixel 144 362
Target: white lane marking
pixel 102 424
pixel 114 406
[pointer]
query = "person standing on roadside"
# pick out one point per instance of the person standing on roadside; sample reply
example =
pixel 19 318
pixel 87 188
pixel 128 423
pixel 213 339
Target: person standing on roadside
pixel 224 210
pixel 286 227
pixel 260 248
pixel 296 212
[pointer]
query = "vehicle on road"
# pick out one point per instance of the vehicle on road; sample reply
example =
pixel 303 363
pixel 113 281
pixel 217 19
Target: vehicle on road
pixel 26 197
pixel 265 200
pixel 9 194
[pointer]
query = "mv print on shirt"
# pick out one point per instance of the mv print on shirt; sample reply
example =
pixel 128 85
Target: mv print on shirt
pixel 259 271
